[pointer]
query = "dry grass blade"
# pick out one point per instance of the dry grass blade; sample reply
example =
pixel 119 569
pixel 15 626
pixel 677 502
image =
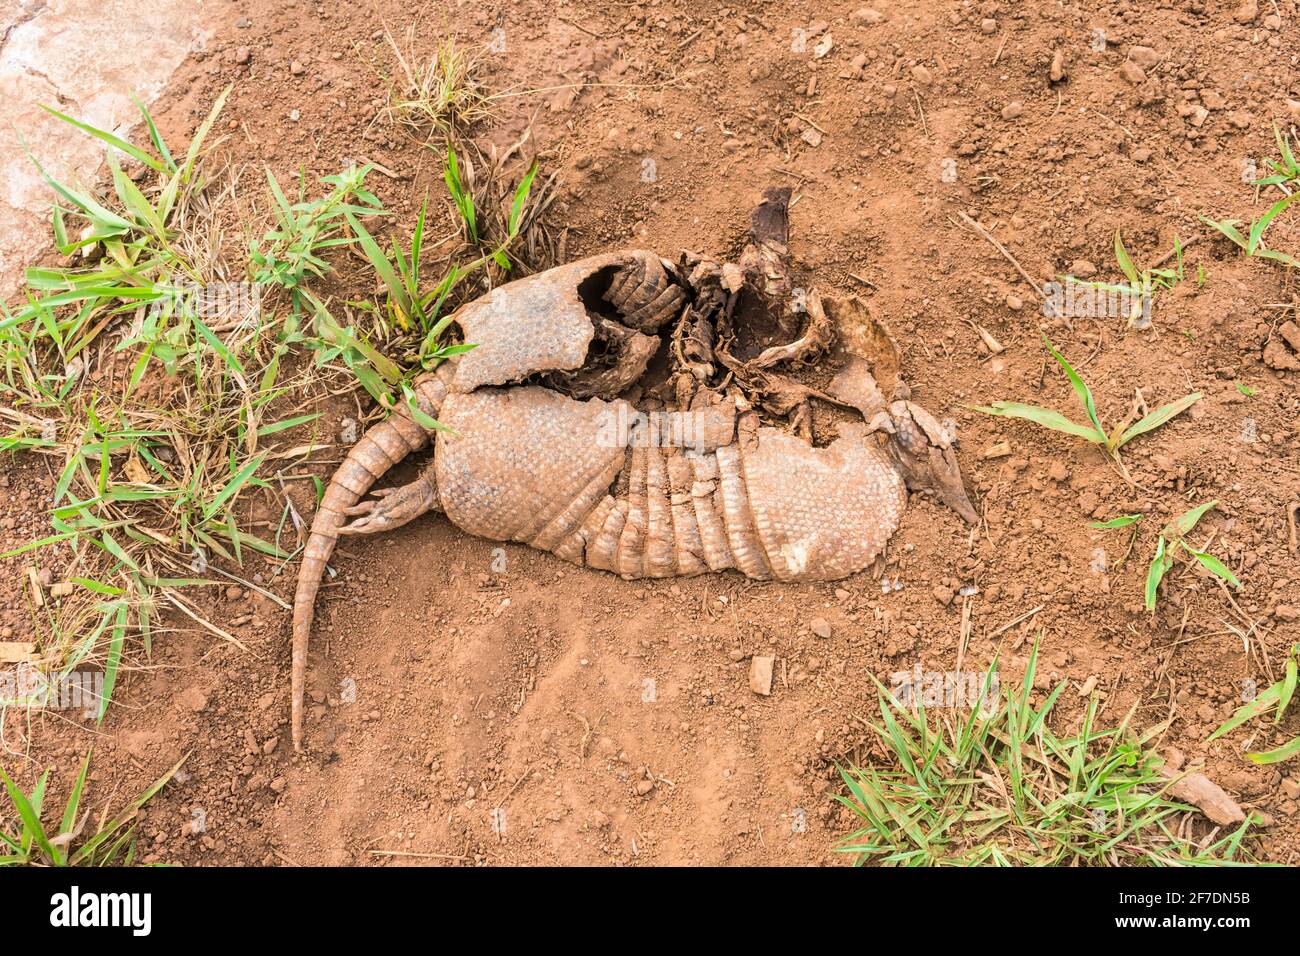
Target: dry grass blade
pixel 438 94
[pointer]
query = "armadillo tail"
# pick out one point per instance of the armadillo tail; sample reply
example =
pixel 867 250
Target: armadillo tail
pixel 382 447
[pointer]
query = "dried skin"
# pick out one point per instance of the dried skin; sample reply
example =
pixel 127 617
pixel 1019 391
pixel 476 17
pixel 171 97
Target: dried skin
pixel 568 467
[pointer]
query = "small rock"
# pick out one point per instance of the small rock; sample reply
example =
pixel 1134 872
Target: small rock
pixel 811 136
pixel 1141 154
pixel 1056 72
pixel 1213 99
pixel 243 55
pixel 1014 302
pixel 296 68
pixel 943 594
pixel 922 75
pixel 643 787
pixel 1144 56
pixel 1058 471
pixel 1202 792
pixel 820 626
pixel 348 431
pixel 1247 12
pixel 988 25
pixel 1286 612
pixel 1132 73
pixel 1083 269
pixel 760 674
pixel 1012 110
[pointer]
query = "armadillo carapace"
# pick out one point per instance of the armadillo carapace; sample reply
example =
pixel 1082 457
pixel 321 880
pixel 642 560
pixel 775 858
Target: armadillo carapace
pixel 654 492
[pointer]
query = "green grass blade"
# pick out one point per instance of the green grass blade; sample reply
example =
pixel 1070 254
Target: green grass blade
pixel 30 817
pixel 1214 566
pixel 1157 418
pixel 1285 752
pixel 1125 261
pixel 1122 521
pixel 1047 417
pixel 1227 228
pixel 1182 526
pixel 1080 387
pixel 1160 564
pixel 116 142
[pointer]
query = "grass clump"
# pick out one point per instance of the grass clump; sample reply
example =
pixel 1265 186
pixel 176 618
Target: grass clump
pixel 435 95
pixel 1003 788
pixel 1112 440
pixel 1276 698
pixel 26 841
pixel 1171 543
pixel 1143 283
pixel 1286 173
pixel 165 417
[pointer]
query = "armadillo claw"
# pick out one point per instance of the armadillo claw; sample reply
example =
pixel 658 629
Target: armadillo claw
pixel 391 507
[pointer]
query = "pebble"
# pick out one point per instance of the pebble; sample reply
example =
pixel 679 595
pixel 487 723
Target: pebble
pixel 1247 12
pixel 988 25
pixel 1083 269
pixel 243 55
pixel 866 15
pixel 943 594
pixel 1144 56
pixel 760 674
pixel 1132 73
pixel 1015 303
pixel 1012 110
pixel 296 68
pixel 922 75
pixel 820 626
pixel 1056 72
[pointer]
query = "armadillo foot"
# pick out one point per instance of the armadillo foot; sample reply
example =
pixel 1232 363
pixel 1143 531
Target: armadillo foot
pixel 392 507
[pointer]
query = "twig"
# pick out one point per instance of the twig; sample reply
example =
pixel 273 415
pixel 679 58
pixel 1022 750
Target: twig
pixel 422 856
pixel 1014 621
pixel 1002 249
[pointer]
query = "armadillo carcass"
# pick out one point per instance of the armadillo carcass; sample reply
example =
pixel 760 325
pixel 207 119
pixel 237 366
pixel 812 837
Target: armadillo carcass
pixel 672 491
